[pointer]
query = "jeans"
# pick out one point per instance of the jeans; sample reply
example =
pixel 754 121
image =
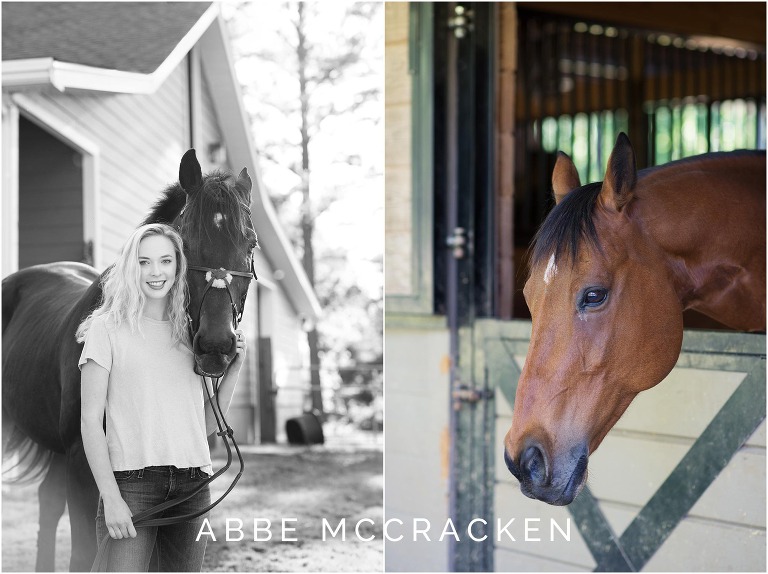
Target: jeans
pixel 176 549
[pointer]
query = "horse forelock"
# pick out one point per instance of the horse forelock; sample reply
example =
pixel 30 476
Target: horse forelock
pixel 567 226
pixel 217 211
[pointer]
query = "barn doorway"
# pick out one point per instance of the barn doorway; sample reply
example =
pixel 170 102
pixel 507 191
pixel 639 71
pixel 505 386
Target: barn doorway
pixel 51 210
pixel 266 398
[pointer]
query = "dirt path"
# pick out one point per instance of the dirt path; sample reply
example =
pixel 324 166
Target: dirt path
pixel 306 483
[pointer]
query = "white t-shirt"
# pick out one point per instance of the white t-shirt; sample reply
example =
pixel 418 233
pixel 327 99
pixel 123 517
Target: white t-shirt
pixel 155 401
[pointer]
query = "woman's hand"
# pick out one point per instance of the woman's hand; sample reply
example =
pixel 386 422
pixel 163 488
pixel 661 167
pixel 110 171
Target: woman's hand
pixel 117 517
pixel 227 384
pixel 239 358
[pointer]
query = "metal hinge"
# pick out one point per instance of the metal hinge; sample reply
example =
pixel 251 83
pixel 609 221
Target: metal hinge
pixel 456 241
pixel 461 23
pixel 463 394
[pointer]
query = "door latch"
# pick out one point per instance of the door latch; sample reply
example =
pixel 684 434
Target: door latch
pixel 463 394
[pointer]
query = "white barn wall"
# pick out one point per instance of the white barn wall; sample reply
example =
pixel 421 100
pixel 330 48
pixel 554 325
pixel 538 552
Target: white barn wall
pixel 290 353
pixel 417 445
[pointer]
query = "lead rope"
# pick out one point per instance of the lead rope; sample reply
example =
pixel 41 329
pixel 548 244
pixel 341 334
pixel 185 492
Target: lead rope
pixel 141 519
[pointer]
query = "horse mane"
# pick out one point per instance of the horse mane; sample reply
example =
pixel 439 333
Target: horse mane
pixel 168 207
pixel 218 193
pixel 567 225
pixel 572 220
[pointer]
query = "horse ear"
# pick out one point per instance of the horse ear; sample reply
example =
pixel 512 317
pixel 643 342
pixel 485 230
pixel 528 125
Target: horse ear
pixel 621 175
pixel 244 182
pixel 190 174
pixel 565 178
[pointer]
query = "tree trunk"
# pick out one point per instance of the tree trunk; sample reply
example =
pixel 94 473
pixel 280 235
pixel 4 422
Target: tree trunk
pixel 307 221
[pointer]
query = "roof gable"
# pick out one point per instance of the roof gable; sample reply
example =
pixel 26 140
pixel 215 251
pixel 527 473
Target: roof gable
pixel 125 36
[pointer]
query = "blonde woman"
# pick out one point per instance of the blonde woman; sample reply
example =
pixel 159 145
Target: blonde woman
pixel 137 369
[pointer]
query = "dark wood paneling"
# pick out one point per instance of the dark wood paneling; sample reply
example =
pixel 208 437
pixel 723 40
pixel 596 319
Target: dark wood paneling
pixel 744 21
pixel 50 198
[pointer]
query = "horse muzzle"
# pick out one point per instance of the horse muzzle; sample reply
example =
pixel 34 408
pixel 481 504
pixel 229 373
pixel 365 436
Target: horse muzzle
pixel 213 352
pixel 212 364
pixel 556 482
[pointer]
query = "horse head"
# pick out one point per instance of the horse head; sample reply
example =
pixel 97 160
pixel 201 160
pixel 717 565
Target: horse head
pixel 606 324
pixel 219 240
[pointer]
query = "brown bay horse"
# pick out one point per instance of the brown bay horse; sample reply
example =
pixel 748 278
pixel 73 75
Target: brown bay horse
pixel 42 307
pixel 613 267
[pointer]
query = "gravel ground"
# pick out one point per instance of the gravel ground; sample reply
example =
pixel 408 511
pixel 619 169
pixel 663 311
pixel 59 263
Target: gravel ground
pixel 340 480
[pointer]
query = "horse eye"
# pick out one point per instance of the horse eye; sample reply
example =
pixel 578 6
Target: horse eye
pixel 594 297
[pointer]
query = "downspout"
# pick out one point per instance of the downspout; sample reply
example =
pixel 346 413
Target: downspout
pixel 194 95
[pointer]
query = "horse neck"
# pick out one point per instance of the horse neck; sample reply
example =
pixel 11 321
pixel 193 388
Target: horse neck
pixel 709 221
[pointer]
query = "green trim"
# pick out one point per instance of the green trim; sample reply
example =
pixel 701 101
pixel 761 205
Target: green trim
pixel 420 50
pixel 414 322
pixel 597 532
pixel 719 342
pixel 505 372
pixel 709 455
pixel 476 453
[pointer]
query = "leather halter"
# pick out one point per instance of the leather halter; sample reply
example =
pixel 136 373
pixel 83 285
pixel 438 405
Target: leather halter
pixel 220 278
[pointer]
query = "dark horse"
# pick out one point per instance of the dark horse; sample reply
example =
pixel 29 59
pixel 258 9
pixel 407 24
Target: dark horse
pixel 42 308
pixel 614 266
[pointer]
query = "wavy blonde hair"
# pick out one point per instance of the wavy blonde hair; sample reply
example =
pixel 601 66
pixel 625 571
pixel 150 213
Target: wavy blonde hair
pixel 123 299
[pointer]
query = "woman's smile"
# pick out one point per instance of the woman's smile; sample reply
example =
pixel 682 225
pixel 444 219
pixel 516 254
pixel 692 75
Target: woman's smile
pixel 157 265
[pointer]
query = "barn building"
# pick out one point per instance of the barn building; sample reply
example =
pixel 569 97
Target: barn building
pixel 480 97
pixel 99 102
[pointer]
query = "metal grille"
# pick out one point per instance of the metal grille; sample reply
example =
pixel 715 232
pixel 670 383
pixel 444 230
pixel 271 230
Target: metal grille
pixel 581 83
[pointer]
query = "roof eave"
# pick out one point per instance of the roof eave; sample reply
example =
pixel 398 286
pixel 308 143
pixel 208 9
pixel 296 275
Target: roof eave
pixel 41 72
pixel 34 72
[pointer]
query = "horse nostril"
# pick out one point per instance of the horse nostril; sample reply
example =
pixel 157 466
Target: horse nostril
pixel 513 468
pixel 534 465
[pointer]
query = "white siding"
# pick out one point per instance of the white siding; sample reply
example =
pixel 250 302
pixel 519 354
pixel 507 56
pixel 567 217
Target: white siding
pixel 290 369
pixel 290 362
pixel 209 128
pixel 417 444
pixel 291 356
